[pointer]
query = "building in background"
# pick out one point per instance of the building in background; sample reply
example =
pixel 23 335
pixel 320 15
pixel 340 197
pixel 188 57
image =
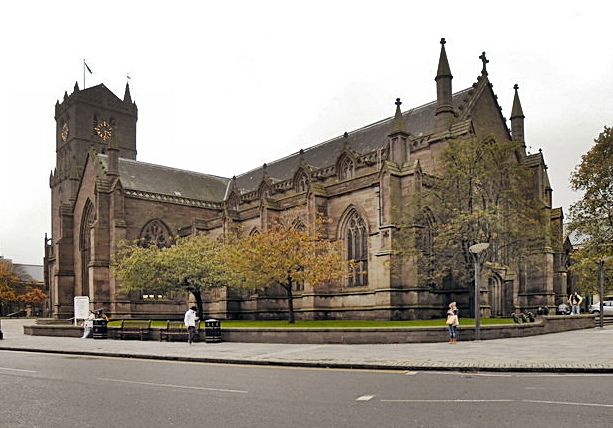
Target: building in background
pixel 27 278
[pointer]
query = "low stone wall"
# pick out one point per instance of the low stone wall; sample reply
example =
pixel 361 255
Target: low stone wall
pixel 543 325
pixel 57 330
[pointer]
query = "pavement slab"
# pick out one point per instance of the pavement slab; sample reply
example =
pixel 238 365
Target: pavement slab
pixel 589 350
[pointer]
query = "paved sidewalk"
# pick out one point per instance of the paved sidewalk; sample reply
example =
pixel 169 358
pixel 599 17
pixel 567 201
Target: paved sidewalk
pixel 587 351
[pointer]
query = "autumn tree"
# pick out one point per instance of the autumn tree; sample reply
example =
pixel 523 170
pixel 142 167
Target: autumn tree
pixel 592 215
pixel 33 296
pixel 286 254
pixel 192 264
pixel 8 282
pixel 482 194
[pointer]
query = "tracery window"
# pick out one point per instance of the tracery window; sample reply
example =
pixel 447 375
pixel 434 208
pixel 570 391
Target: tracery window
pixel 302 184
pixel 87 221
pixel 155 233
pixel 426 235
pixel 356 241
pixel 347 168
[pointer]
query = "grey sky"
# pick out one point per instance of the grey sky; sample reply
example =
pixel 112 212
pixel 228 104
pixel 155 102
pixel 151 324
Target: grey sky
pixel 223 87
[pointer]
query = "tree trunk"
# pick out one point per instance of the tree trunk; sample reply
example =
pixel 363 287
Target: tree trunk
pixel 197 295
pixel 290 300
pixel 199 305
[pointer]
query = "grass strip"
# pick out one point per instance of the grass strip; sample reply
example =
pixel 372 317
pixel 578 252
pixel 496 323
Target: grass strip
pixel 464 322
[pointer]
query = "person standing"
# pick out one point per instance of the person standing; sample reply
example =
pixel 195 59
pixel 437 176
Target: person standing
pixel 190 322
pixel 453 323
pixel 88 325
pixel 575 303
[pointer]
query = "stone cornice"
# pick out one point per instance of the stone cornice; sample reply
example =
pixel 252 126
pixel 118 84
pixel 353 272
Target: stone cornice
pixel 177 200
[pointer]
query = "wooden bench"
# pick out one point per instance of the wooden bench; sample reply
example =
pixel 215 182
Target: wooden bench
pixel 134 329
pixel 176 329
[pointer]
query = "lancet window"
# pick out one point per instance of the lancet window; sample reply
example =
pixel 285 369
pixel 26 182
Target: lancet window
pixel 347 168
pixel 356 242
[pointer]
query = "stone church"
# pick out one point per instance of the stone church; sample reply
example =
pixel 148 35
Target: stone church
pixel 102 194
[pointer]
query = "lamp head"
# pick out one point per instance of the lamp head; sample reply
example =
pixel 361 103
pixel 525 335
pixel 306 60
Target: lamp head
pixel 478 248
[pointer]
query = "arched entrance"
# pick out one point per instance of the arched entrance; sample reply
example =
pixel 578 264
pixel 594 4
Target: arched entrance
pixel 496 296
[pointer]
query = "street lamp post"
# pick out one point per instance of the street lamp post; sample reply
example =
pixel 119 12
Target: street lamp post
pixel 476 251
pixel 601 275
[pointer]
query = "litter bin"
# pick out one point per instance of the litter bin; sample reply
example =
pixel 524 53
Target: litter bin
pixel 212 330
pixel 100 329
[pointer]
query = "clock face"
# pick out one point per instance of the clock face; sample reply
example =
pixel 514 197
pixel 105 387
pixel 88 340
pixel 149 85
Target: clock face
pixel 65 132
pixel 104 130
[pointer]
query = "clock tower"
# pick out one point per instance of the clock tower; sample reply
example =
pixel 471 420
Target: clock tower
pixel 86 119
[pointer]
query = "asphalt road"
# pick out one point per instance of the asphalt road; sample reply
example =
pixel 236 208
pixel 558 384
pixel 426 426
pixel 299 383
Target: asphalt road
pixel 39 390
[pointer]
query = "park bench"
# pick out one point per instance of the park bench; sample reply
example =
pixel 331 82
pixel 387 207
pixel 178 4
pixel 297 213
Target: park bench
pixel 175 329
pixel 133 329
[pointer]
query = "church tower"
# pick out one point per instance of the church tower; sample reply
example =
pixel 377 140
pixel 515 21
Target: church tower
pixel 82 120
pixel 85 120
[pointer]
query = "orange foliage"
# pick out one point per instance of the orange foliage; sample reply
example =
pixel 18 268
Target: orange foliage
pixel 33 296
pixel 286 254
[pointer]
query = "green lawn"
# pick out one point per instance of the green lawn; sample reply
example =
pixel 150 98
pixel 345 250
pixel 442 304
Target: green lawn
pixel 358 324
pixel 340 324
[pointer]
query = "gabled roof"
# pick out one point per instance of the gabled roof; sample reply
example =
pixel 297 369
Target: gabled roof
pixel 578 239
pixel 27 273
pixel 163 180
pixel 535 159
pixel 418 122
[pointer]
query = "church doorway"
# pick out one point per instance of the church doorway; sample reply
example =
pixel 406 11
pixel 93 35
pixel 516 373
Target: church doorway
pixel 496 296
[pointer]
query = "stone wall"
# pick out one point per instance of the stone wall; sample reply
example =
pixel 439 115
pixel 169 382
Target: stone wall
pixel 544 325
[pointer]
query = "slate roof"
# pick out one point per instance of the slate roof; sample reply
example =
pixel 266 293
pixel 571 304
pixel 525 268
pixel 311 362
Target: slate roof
pixel 163 180
pixel 418 121
pixel 28 273
pixel 578 239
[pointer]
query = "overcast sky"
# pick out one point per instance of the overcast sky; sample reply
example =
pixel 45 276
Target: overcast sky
pixel 223 87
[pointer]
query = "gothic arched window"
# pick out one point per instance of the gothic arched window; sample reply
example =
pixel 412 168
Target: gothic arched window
pixel 155 233
pixel 356 244
pixel 87 221
pixel 426 243
pixel 302 183
pixel 346 168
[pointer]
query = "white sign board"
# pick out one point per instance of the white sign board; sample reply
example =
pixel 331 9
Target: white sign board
pixel 81 307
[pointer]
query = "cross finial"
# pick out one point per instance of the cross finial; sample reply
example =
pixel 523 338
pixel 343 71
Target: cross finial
pixel 516 86
pixel 398 102
pixel 443 41
pixel 484 60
